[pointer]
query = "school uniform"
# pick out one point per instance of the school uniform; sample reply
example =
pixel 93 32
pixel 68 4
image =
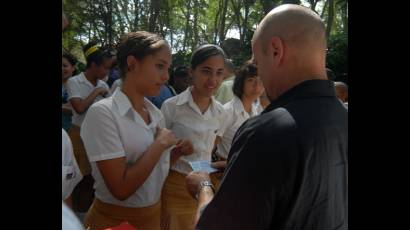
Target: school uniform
pixel 113 129
pixel 186 121
pixel 79 87
pixel 235 116
pixel 71 173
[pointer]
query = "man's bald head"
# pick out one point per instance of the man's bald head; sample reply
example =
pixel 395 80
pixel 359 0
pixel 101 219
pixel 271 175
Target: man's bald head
pixel 289 47
pixel 297 26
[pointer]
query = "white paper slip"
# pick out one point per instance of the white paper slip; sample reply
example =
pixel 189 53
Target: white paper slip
pixel 202 166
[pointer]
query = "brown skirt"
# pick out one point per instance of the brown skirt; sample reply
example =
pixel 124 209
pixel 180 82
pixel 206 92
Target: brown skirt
pixel 79 150
pixel 178 207
pixel 103 215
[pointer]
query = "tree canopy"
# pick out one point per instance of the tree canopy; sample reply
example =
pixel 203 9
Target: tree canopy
pixel 185 24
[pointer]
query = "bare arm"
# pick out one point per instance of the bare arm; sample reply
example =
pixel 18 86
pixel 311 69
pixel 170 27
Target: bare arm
pixel 205 194
pixel 123 180
pixel 81 105
pixel 69 202
pixel 184 147
pixel 204 197
pixel 66 108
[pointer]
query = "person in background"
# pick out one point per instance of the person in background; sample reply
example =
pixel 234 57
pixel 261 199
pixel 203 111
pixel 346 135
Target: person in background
pixel 180 79
pixel 83 90
pixel 117 83
pixel 68 219
pixel 342 92
pixel 247 88
pixel 68 68
pixel 224 92
pixel 165 92
pixel 114 73
pixel 71 174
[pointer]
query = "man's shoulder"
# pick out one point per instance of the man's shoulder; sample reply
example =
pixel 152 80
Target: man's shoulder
pixel 274 128
pixel 274 122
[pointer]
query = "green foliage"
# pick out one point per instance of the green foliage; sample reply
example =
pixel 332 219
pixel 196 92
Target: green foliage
pixel 185 24
pixel 337 54
pixel 181 58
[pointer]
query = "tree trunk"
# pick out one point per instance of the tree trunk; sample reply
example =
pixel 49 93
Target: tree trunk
pixel 291 2
pixel 110 24
pixel 344 17
pixel 187 15
pixel 153 17
pixel 119 18
pixel 237 11
pixel 222 31
pixel 330 17
pixel 324 9
pixel 245 23
pixel 313 4
pixel 124 14
pixel 216 27
pixel 134 25
pixel 268 5
pixel 195 28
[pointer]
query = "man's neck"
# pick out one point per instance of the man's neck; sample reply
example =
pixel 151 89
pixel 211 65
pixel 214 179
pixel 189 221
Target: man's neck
pixel 295 78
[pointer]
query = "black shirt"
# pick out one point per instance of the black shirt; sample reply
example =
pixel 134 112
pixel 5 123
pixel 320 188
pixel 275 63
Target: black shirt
pixel 287 168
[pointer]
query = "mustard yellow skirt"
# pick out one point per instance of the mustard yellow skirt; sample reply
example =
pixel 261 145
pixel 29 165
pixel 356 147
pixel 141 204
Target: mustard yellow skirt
pixel 79 150
pixel 178 207
pixel 102 215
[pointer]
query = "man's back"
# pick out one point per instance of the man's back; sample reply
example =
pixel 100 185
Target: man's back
pixel 287 168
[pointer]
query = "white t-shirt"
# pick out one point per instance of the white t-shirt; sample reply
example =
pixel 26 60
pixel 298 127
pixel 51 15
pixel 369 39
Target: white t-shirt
pixel 79 87
pixel 113 129
pixel 117 83
pixel 68 219
pixel 235 117
pixel 185 119
pixel 71 174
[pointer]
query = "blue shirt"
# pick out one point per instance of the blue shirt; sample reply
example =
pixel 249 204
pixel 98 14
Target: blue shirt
pixel 66 118
pixel 164 94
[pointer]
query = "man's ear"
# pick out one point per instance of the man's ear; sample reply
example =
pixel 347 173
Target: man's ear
pixel 132 63
pixel 277 50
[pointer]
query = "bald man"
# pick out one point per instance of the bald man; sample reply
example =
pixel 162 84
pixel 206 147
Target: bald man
pixel 287 168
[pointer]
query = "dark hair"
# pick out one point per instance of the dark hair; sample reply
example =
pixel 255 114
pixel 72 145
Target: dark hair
pixel 247 70
pixel 180 71
pixel 96 56
pixel 138 44
pixel 70 58
pixel 203 52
